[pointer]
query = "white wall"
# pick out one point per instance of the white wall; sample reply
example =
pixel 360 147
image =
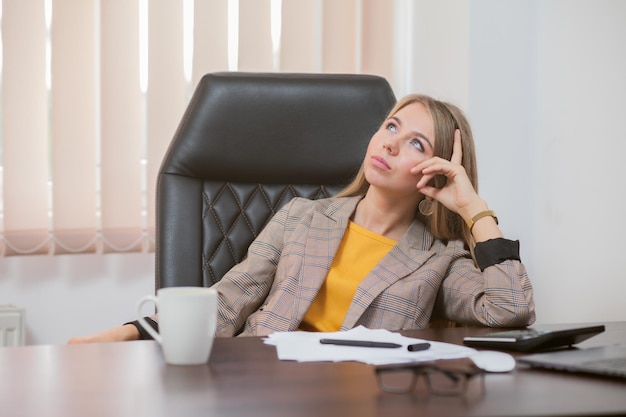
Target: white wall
pixel 547 90
pixel 72 295
pixel 581 178
pixel 543 83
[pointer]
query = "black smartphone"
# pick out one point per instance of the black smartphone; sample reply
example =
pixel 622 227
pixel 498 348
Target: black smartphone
pixel 529 339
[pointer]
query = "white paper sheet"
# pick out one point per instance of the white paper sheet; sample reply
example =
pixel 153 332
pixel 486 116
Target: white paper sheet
pixel 306 347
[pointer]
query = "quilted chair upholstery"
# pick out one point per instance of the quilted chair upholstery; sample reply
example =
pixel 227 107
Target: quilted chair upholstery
pixel 247 144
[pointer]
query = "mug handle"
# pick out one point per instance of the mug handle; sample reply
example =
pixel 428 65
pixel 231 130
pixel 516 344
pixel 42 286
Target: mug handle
pixel 143 322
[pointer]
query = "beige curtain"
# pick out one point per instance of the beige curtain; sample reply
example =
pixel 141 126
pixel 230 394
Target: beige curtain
pixel 82 134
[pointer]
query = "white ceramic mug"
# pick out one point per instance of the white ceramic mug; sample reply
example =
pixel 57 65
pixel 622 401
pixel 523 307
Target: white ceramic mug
pixel 187 320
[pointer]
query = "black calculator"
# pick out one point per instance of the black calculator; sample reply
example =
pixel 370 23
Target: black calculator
pixel 529 339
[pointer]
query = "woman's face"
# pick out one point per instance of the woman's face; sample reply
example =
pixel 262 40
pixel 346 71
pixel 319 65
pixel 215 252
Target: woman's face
pixel 404 140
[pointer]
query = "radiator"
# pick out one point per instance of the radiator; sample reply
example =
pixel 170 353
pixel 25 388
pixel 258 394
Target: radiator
pixel 12 325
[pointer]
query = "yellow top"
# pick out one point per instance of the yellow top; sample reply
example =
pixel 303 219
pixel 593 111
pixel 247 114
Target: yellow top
pixel 359 252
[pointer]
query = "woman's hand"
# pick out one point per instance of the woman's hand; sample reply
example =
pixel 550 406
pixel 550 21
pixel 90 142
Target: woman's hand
pixel 116 334
pixel 458 195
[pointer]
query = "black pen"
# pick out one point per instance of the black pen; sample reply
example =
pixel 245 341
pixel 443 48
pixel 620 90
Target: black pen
pixel 418 346
pixel 360 343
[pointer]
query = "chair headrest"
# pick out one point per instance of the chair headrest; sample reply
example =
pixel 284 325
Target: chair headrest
pixel 252 127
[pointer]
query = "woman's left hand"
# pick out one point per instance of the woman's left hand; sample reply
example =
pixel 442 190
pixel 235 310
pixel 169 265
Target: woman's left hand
pixel 458 194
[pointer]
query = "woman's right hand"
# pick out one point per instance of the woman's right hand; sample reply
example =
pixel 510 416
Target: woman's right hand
pixel 115 334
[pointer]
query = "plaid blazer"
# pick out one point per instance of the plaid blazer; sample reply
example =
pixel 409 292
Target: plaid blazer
pixel 272 289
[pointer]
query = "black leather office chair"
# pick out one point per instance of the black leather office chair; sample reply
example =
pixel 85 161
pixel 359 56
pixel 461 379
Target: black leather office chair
pixel 246 145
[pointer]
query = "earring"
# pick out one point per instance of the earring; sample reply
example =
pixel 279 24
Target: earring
pixel 426 206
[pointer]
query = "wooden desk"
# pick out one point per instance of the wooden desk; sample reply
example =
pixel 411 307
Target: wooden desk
pixel 244 378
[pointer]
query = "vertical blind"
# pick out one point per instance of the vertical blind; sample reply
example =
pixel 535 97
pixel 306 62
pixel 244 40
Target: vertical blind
pixel 93 90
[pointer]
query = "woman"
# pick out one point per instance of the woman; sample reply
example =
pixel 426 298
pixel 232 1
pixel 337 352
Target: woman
pixel 409 233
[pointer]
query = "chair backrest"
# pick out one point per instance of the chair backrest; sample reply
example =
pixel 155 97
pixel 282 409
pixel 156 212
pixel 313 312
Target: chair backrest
pixel 247 144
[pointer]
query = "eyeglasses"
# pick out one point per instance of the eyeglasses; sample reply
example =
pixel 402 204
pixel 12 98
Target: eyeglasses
pixel 443 377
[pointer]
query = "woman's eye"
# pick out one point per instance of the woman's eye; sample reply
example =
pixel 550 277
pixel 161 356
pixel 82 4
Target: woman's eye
pixel 392 128
pixel 417 144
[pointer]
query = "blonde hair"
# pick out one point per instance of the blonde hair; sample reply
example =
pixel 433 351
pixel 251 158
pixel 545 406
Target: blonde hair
pixel 442 223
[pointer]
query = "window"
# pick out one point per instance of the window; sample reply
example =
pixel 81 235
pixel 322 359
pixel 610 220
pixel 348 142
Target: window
pixel 92 92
